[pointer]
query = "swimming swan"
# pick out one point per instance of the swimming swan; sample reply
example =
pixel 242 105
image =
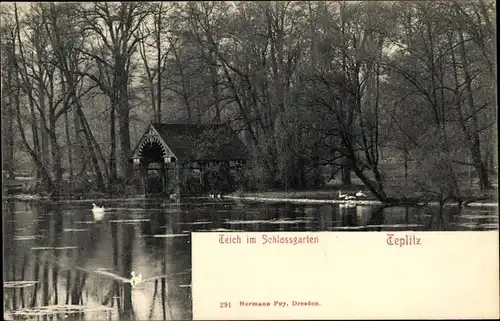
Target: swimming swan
pixel 346 196
pixel 98 212
pixel 361 194
pixel 136 279
pixel 96 208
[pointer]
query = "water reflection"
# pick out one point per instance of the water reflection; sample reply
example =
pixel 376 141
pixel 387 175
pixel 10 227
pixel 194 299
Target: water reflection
pixel 60 262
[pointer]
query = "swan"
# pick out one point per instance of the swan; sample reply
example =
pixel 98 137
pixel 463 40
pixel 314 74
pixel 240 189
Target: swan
pixel 219 196
pixel 98 212
pixel 136 279
pixel 211 195
pixel 97 209
pixel 98 216
pixel 346 196
pixel 361 194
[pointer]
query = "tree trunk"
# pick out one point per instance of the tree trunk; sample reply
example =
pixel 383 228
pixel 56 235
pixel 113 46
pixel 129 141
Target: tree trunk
pixel 158 61
pixel 113 174
pixel 482 173
pixel 405 155
pixel 41 170
pixel 10 142
pixel 346 172
pixel 43 133
pixel 215 87
pixel 95 146
pixel 68 144
pixel 79 148
pixel 376 188
pixel 56 154
pixel 7 126
pixel 87 135
pixel 123 127
pixel 24 74
pixel 34 134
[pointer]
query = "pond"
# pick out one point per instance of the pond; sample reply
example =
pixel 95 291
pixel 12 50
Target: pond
pixel 62 261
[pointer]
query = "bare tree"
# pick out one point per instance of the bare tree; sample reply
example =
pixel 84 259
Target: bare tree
pixel 115 27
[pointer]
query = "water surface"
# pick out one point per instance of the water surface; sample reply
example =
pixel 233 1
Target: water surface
pixel 63 262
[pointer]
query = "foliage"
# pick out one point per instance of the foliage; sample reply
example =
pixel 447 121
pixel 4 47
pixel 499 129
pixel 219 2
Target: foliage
pixel 307 85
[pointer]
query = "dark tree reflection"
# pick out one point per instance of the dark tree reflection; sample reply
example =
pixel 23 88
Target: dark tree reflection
pixel 127 241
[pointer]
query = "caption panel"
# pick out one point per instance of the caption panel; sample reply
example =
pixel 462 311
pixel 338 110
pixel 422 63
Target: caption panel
pixel 345 275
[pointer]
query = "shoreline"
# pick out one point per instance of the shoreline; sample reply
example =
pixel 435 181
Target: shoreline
pixel 265 199
pixel 356 202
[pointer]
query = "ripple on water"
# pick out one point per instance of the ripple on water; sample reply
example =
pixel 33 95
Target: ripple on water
pixel 168 235
pixel 347 228
pixel 85 222
pixel 27 237
pixel 130 221
pixel 225 230
pixel 284 221
pixel 395 225
pixel 18 284
pixel 53 310
pixel 475 217
pixel 45 248
pixel 195 223
pixel 131 209
pixel 468 225
pixel 490 226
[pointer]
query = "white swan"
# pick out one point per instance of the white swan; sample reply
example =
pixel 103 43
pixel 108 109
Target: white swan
pixel 211 195
pixel 98 212
pixel 361 194
pixel 136 279
pixel 96 208
pixel 346 196
pixel 219 196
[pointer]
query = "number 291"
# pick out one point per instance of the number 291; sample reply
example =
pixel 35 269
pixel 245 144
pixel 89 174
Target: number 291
pixel 225 304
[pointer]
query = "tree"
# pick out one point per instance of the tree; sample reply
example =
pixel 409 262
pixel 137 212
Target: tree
pixel 115 28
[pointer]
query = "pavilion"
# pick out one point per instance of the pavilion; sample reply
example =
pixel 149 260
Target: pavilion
pixel 167 151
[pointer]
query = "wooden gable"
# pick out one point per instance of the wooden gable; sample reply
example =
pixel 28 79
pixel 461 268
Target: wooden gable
pixel 151 136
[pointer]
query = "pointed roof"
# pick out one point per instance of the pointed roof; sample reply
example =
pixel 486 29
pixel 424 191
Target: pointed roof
pixel 202 142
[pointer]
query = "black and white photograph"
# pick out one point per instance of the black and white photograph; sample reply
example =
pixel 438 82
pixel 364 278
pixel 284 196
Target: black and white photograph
pixel 127 126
